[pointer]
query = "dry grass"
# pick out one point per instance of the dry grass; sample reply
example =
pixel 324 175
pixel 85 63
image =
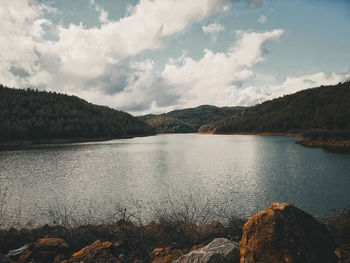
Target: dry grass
pixel 338 223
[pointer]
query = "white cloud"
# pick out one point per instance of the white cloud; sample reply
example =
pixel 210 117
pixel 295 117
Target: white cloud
pixel 294 84
pixel 216 77
pixel 99 64
pixel 20 32
pixel 262 19
pixel 81 56
pixel 103 14
pixel 213 30
pixel 252 95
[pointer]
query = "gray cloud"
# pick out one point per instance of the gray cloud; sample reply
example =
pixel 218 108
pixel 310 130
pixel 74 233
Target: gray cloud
pixel 19 72
pixel 309 81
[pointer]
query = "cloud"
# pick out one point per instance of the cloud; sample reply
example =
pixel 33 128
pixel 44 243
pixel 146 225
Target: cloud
pixel 213 30
pixel 79 55
pixel 21 30
pixel 99 64
pixel 103 14
pixel 262 19
pixel 294 84
pixel 216 77
pixel 252 95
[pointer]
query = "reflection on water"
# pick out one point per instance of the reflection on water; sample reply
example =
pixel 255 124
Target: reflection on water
pixel 246 172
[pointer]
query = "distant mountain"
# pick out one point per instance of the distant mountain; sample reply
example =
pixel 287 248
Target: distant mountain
pixel 317 112
pixel 189 120
pixel 37 115
pixel 169 125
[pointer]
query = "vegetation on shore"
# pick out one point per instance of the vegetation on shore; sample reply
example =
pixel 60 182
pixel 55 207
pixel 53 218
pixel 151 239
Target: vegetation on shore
pixel 179 230
pixel 34 115
pixel 321 114
pixel 164 124
pixel 189 120
pixel 316 112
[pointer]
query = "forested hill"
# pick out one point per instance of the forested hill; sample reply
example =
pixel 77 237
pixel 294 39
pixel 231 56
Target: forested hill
pixel 319 111
pixel 189 120
pixel 36 115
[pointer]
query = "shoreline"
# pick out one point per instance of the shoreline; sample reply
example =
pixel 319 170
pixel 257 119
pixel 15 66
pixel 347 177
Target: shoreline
pixel 329 144
pixel 288 134
pixel 25 144
pixel 126 241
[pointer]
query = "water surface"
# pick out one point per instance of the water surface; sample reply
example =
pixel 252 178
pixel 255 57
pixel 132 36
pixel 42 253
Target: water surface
pixel 244 172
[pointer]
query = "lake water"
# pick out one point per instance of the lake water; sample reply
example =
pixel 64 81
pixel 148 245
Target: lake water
pixel 243 173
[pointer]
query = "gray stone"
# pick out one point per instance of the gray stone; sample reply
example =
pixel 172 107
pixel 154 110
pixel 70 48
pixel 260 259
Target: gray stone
pixel 220 250
pixel 16 253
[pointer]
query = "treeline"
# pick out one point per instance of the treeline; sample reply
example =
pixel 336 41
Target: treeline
pixel 35 115
pixel 317 112
pixel 163 124
pixel 189 120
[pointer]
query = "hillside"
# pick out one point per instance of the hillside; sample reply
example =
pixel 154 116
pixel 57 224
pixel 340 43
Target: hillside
pixel 189 120
pixel 322 112
pixel 36 115
pixel 169 125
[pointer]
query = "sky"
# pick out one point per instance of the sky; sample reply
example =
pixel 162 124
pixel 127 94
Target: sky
pixel 153 56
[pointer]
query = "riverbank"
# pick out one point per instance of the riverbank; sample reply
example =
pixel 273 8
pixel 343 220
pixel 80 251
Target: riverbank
pixel 331 144
pixel 23 144
pixel 167 241
pixel 288 134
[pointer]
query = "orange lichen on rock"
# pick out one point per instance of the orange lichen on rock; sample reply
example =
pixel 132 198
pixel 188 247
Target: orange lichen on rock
pixel 97 251
pixel 283 233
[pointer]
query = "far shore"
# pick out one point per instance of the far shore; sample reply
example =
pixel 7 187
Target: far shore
pixel 22 144
pixel 331 144
pixel 289 134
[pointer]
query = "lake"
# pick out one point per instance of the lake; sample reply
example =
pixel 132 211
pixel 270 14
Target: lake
pixel 242 173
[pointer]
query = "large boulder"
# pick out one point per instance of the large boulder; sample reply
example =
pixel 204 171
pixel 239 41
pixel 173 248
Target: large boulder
pixel 220 250
pixel 283 233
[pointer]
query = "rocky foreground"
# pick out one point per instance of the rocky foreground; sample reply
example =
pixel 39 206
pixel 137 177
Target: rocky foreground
pixel 281 233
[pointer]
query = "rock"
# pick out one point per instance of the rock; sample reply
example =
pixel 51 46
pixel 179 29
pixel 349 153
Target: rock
pixel 283 233
pixel 16 253
pixel 104 252
pixel 96 252
pixel 196 247
pixel 217 251
pixel 343 254
pixel 49 250
pixel 166 255
pixel 45 250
